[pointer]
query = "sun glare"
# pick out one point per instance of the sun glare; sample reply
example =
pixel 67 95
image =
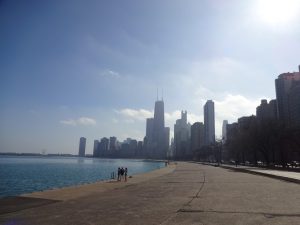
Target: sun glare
pixel 278 12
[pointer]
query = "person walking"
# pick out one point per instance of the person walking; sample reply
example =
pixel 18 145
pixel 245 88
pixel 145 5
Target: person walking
pixel 122 173
pixel 119 174
pixel 126 174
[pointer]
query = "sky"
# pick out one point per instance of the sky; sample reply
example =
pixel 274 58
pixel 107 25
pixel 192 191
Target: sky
pixel 72 68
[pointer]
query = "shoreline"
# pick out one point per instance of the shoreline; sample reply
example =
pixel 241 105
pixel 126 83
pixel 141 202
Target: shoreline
pixel 81 190
pixel 48 185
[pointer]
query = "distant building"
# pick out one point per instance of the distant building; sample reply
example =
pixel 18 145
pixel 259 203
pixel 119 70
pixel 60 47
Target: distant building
pixel 231 131
pixel 112 144
pixel 156 134
pixel 82 143
pixel 95 150
pixel 224 130
pixel 197 136
pixel 103 146
pixel 294 104
pixel 139 148
pixel 209 122
pixel 266 111
pixel 149 128
pixel 159 150
pixel 133 147
pixel 286 95
pixel 167 138
pixel 182 131
pixel 171 149
pixel 244 122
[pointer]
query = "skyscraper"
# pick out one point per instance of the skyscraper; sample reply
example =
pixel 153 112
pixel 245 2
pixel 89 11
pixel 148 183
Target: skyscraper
pixel 112 144
pixel 209 122
pixel 167 138
pixel 95 150
pixel 82 143
pixel 294 104
pixel 182 131
pixel 156 141
pixel 284 84
pixel 159 130
pixel 266 111
pixel 224 130
pixel 197 136
pixel 149 129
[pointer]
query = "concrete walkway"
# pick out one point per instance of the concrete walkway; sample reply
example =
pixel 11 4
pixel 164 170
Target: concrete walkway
pixel 278 174
pixel 190 194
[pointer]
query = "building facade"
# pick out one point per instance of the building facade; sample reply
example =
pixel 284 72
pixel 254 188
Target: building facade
pixel 82 143
pixel 156 141
pixel 197 136
pixel 224 130
pixel 266 111
pixel 209 122
pixel 286 95
pixel 182 131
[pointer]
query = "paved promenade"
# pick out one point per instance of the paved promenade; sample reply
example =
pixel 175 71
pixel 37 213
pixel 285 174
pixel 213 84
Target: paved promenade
pixel 278 174
pixel 188 194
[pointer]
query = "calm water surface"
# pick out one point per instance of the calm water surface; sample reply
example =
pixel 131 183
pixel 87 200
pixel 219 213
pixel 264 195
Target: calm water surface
pixel 26 174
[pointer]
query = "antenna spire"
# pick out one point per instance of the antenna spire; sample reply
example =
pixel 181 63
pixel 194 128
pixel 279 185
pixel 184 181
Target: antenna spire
pixel 162 94
pixel 157 94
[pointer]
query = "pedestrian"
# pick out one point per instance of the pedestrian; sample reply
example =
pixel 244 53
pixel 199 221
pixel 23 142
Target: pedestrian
pixel 125 174
pixel 122 173
pixel 119 174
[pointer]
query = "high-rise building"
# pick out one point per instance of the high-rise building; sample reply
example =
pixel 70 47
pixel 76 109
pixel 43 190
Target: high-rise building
pixel 224 130
pixel 294 104
pixel 197 136
pixel 103 146
pixel 139 148
pixel 231 131
pixel 95 150
pixel 159 150
pixel 266 111
pixel 182 131
pixel 245 122
pixel 209 122
pixel 157 135
pixel 112 144
pixel 284 85
pixel 149 129
pixel 133 144
pixel 82 143
pixel 159 121
pixel 167 138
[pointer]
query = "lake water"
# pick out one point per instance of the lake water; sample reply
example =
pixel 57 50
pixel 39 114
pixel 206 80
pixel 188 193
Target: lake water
pixel 26 174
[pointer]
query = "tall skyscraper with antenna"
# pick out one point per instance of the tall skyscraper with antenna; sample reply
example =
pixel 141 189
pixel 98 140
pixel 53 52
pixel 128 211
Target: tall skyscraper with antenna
pixel 158 128
pixel 157 145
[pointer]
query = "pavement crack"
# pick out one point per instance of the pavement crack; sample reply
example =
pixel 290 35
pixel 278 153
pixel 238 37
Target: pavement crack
pixel 265 214
pixel 198 192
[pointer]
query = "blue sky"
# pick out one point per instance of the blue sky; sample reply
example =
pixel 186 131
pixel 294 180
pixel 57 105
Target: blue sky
pixel 92 68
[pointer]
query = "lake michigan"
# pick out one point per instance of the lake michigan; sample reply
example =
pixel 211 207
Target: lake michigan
pixel 26 174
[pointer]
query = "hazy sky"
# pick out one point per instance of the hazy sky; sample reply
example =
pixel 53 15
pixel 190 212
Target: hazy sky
pixel 92 68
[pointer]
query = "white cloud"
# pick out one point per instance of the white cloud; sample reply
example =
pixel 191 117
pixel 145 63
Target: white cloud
pixel 68 122
pixel 110 74
pixel 233 107
pixel 133 114
pixel 85 121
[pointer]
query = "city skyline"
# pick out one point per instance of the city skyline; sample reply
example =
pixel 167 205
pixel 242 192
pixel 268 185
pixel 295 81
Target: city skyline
pixel 75 69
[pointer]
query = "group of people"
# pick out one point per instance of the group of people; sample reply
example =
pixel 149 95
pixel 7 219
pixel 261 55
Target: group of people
pixel 122 174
